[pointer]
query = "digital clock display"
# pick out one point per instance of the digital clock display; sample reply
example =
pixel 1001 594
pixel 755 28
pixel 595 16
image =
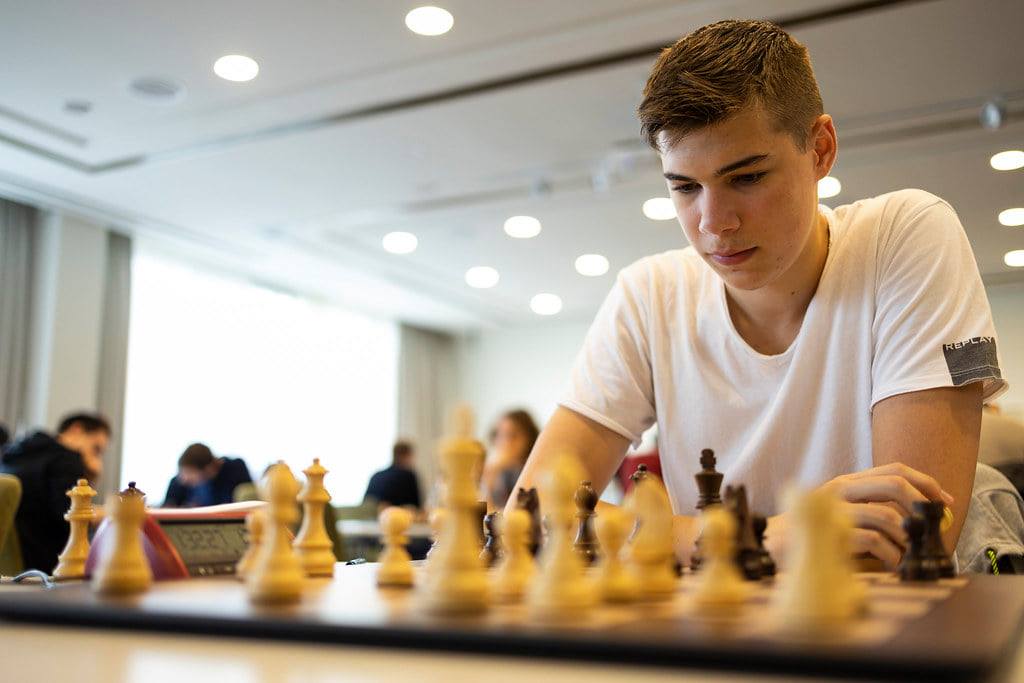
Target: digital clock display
pixel 205 547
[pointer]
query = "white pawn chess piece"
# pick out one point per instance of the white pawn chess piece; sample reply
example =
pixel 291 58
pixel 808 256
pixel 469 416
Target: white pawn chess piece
pixel 395 563
pixel 819 594
pixel 516 566
pixel 455 580
pixel 720 589
pixel 276 575
pixel 561 589
pixel 650 556
pixel 255 522
pixel 614 582
pixel 314 546
pixel 122 567
pixel 438 521
pixel 71 562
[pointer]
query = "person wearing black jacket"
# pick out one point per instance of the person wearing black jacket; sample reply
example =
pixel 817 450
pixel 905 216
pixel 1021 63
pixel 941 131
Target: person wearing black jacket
pixel 204 479
pixel 47 467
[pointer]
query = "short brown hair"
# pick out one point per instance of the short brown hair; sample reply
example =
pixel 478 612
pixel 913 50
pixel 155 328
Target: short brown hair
pixel 87 422
pixel 197 456
pixel 720 69
pixel 400 450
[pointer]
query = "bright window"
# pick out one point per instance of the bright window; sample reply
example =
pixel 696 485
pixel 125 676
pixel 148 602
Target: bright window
pixel 256 374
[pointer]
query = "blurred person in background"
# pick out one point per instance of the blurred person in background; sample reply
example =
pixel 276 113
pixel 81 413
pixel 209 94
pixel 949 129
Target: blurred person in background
pixel 204 479
pixel 512 439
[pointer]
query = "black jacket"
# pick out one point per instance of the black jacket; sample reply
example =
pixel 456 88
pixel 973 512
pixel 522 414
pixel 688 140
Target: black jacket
pixel 394 486
pixel 217 491
pixel 46 470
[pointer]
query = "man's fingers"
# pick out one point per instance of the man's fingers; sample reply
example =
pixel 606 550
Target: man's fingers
pixel 882 489
pixel 927 485
pixel 876 544
pixel 881 518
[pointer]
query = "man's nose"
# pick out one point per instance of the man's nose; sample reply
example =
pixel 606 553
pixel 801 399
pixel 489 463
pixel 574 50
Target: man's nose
pixel 717 214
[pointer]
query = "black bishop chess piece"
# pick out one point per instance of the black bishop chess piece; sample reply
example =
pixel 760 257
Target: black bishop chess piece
pixel 490 553
pixel 760 524
pixel 585 543
pixel 932 546
pixel 748 556
pixel 916 566
pixel 527 499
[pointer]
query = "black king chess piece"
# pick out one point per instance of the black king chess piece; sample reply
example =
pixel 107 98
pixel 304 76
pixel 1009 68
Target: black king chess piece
pixel 490 552
pixel 709 483
pixel 585 543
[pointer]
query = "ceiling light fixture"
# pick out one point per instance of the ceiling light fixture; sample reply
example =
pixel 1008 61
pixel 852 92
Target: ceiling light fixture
pixel 546 304
pixel 829 187
pixel 400 242
pixel 237 68
pixel 1011 218
pixel 1010 160
pixel 522 227
pixel 659 209
pixel 429 21
pixel 1015 258
pixel 591 265
pixel 481 277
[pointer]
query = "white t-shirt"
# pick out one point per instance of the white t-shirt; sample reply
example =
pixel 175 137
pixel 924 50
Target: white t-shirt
pixel 900 307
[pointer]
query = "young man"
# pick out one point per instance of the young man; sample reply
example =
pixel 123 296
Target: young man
pixel 47 468
pixel 204 479
pixel 848 348
pixel 396 485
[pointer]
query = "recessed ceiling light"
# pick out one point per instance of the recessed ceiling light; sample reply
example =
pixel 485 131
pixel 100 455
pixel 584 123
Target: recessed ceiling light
pixel 829 187
pixel 236 68
pixel 592 265
pixel 400 242
pixel 1011 218
pixel 1015 258
pixel 429 21
pixel 481 277
pixel 546 304
pixel 156 90
pixel 1010 160
pixel 659 209
pixel 522 227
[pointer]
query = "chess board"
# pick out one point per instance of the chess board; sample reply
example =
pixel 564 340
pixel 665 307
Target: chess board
pixel 956 629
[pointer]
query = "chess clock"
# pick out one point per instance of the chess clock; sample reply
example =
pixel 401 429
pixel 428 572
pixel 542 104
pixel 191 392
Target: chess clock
pixel 186 542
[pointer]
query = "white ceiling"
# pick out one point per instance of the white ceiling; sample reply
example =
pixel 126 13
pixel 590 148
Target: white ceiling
pixel 272 179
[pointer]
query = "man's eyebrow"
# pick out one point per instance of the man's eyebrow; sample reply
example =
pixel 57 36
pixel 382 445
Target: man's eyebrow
pixel 746 161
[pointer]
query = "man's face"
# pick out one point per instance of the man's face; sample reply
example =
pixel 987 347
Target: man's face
pixel 192 476
pixel 745 196
pixel 90 446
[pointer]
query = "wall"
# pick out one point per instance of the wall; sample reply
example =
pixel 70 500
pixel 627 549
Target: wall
pixel 1007 303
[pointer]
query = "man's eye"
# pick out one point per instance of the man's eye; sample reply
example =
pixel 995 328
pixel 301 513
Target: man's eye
pixel 686 188
pixel 748 178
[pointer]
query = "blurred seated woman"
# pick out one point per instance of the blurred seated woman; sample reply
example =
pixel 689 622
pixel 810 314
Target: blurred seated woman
pixel 512 440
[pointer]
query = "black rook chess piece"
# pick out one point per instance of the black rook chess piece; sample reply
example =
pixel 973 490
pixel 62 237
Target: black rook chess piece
pixel 748 557
pixel 932 542
pixel 585 543
pixel 916 566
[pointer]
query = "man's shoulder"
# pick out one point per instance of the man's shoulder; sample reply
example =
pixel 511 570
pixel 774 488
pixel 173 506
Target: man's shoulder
pixel 667 269
pixel 891 210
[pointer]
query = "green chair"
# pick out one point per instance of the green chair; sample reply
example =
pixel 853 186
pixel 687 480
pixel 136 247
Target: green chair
pixel 249 491
pixel 11 562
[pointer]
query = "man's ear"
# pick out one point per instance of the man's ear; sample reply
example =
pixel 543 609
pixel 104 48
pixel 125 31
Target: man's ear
pixel 825 145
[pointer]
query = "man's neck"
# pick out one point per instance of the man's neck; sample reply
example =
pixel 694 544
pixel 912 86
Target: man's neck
pixel 769 318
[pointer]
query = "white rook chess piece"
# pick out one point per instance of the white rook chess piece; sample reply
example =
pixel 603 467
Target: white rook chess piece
pixel 122 567
pixel 71 562
pixel 614 582
pixel 561 589
pixel 516 566
pixel 395 563
pixel 316 552
pixel 650 556
pixel 276 575
pixel 720 589
pixel 455 581
pixel 255 521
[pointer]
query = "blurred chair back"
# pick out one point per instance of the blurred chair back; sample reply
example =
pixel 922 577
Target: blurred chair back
pixel 249 491
pixel 10 548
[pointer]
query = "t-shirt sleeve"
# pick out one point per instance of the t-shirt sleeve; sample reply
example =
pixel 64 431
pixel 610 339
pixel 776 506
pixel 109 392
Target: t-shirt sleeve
pixel 933 325
pixel 611 381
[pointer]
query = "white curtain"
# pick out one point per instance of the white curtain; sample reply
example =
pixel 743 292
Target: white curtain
pixel 427 386
pixel 17 225
pixel 113 367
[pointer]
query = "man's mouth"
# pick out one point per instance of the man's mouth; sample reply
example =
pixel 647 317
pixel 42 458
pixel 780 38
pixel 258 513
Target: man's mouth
pixel 732 258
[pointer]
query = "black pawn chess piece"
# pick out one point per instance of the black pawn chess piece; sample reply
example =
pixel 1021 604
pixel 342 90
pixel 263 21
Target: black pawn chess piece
pixel 639 473
pixel 490 552
pixel 527 499
pixel 932 543
pixel 585 543
pixel 767 563
pixel 748 557
pixel 916 566
pixel 709 481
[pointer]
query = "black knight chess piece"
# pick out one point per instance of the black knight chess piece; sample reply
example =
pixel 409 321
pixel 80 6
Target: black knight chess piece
pixel 527 499
pixel 585 543
pixel 916 566
pixel 490 553
pixel 932 546
pixel 748 557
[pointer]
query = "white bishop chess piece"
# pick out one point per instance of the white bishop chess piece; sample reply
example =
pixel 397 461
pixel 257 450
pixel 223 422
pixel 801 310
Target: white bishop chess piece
pixel 122 568
pixel 71 562
pixel 516 566
pixel 276 575
pixel 316 552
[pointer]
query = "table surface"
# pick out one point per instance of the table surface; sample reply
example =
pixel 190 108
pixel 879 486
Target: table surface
pixel 370 528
